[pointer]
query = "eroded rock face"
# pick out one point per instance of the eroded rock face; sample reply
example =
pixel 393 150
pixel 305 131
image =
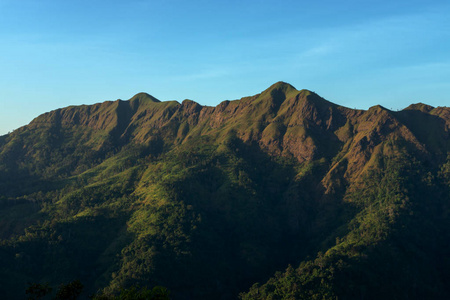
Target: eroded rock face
pixel 253 182
pixel 281 120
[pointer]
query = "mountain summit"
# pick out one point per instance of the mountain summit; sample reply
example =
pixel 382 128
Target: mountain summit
pixel 281 85
pixel 309 198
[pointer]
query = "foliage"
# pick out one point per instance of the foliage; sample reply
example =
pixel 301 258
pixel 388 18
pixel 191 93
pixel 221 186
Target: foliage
pixel 69 291
pixel 37 290
pixel 392 229
pixel 208 201
pixel 136 293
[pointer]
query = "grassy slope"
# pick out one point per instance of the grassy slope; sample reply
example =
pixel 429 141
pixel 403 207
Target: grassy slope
pixel 136 191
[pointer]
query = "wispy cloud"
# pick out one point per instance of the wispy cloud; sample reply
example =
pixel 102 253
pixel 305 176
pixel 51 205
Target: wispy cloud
pixel 387 42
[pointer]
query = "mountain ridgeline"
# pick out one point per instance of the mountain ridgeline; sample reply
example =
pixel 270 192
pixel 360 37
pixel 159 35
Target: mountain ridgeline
pixel 282 195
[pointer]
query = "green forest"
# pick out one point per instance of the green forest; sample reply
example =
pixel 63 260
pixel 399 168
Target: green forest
pixel 282 195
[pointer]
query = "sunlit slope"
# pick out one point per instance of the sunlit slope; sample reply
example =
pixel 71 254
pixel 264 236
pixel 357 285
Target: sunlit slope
pixel 209 200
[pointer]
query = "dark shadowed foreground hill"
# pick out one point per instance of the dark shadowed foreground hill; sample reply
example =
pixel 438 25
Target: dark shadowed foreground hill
pixel 282 195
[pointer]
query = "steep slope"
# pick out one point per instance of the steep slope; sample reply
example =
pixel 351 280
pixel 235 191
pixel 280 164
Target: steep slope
pixel 209 200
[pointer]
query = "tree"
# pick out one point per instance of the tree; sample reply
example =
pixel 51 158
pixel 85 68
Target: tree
pixel 38 290
pixel 69 291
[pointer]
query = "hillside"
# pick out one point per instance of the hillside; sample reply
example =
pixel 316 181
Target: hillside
pixel 281 195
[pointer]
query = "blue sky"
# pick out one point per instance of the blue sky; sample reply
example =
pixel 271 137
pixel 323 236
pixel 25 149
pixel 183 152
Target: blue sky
pixel 354 53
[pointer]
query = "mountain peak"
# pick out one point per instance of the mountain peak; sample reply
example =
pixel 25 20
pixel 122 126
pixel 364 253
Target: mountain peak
pixel 144 97
pixel 281 85
pixel 180 184
pixel 421 107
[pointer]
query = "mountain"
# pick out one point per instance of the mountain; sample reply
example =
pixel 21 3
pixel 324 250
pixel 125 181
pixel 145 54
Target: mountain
pixel 281 195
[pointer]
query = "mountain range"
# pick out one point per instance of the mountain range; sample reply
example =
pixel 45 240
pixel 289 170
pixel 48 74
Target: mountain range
pixel 281 195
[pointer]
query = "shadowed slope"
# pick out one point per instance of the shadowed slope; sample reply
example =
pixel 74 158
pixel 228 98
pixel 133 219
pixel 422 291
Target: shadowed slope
pixel 208 200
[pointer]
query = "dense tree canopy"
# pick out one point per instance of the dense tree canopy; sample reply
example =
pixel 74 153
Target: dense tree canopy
pixel 213 203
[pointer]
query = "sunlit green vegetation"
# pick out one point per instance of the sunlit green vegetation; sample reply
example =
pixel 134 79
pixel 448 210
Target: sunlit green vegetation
pixel 146 194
